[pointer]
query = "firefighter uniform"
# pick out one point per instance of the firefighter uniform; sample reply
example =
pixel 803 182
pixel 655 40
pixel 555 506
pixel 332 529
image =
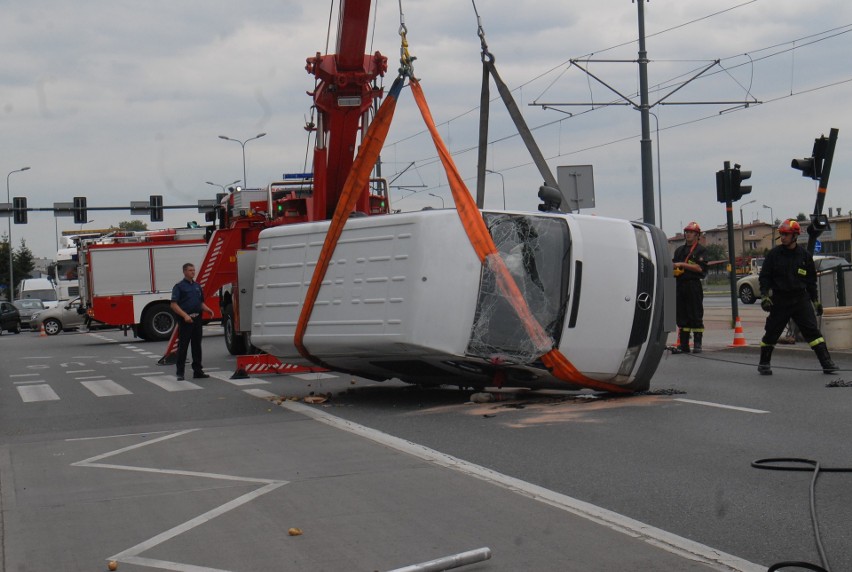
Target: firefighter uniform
pixel 789 273
pixel 690 262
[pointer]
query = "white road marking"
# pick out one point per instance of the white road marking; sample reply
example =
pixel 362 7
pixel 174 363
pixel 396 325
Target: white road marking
pixel 169 383
pixel 262 393
pixel 620 523
pixel 80 370
pixel 147 372
pixel 225 376
pixel 313 376
pixel 29 381
pixel 41 392
pixel 24 374
pixel 131 555
pixel 134 367
pixel 105 388
pixel 719 405
pixel 115 436
pixel 90 377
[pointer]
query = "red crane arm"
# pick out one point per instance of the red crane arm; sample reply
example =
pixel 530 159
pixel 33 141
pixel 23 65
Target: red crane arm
pixel 343 98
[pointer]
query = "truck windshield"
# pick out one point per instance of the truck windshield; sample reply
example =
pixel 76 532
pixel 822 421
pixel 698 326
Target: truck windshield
pixel 536 250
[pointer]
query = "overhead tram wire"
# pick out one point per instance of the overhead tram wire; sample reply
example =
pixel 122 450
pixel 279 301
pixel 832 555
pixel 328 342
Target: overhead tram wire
pixel 820 36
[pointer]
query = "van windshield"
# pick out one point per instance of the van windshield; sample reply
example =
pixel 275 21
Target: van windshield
pixel 47 295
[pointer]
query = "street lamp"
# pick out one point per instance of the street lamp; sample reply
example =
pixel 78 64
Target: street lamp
pixel 243 145
pixel 437 197
pixel 772 223
pixel 224 190
pixel 742 229
pixel 87 222
pixel 11 262
pixel 502 181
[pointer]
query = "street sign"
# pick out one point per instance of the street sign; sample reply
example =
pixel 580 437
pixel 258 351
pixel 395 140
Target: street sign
pixel 817 246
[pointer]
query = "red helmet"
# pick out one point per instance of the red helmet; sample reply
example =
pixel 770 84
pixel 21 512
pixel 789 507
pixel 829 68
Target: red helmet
pixel 789 226
pixel 693 226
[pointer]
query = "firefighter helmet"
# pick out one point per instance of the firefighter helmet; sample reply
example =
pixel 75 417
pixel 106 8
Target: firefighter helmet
pixel 693 226
pixel 789 226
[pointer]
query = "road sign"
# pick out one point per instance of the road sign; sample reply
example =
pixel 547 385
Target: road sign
pixel 817 246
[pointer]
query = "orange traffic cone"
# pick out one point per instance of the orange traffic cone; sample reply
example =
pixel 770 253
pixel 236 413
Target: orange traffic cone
pixel 739 336
pixel 41 332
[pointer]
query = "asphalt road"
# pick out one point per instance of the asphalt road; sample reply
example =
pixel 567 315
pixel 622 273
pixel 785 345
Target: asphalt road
pixel 103 456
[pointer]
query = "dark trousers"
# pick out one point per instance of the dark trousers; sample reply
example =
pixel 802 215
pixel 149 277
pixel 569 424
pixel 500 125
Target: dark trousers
pixel 690 306
pixel 797 307
pixel 189 334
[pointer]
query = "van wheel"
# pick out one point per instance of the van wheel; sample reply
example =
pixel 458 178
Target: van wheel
pixel 158 323
pixel 234 341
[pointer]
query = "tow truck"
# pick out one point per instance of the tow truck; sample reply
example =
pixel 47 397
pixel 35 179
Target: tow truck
pixel 318 273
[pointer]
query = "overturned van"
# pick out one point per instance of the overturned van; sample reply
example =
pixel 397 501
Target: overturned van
pixel 406 297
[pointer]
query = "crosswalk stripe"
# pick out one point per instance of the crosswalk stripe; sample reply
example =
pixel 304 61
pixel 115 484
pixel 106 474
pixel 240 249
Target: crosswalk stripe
pixel 313 376
pixel 225 376
pixel 169 383
pixel 257 392
pixel 41 392
pixel 105 388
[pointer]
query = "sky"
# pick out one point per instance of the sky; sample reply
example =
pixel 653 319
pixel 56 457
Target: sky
pixel 117 100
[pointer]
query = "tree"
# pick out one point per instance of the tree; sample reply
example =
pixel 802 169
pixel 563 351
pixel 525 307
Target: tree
pixel 24 261
pixel 801 217
pixel 134 224
pixel 716 252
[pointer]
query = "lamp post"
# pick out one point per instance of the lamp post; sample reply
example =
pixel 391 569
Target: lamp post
pixel 742 230
pixel 243 145
pixel 11 291
pixel 503 183
pixel 437 197
pixel 224 190
pixel 771 222
pixel 87 222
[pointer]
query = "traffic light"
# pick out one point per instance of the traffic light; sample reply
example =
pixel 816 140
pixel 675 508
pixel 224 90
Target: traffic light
pixel 737 189
pixel 80 215
pixel 812 166
pixel 19 209
pixel 155 203
pixel 721 196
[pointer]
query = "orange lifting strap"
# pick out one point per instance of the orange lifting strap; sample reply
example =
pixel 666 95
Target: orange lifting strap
pixel 473 224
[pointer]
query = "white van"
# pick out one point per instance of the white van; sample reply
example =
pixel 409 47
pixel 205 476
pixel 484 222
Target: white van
pixel 39 289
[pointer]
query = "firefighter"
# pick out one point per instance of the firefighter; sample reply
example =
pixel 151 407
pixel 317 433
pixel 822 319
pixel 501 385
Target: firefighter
pixel 788 290
pixel 690 266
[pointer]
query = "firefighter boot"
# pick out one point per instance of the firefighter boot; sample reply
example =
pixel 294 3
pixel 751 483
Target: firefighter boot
pixel 696 344
pixel 828 366
pixel 683 345
pixel 765 357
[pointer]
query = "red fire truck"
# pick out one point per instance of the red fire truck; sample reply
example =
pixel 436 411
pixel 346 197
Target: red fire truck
pixel 126 278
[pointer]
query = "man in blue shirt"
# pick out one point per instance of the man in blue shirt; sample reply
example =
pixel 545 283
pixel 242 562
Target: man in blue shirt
pixel 188 305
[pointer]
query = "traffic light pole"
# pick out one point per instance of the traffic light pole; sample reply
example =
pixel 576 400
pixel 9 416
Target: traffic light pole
pixel 732 265
pixel 815 229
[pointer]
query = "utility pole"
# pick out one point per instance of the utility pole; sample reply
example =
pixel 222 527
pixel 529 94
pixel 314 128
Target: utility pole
pixel 643 107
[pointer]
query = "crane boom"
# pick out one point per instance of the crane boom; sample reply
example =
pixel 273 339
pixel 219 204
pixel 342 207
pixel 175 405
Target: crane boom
pixel 343 98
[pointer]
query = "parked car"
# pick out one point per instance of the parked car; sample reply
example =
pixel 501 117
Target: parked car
pixel 10 318
pixel 28 308
pixel 66 316
pixel 748 287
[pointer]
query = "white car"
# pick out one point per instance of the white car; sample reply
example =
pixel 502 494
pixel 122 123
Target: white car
pixel 748 287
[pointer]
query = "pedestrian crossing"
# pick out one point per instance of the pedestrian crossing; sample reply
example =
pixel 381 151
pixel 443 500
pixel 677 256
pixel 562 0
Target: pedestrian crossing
pixel 38 390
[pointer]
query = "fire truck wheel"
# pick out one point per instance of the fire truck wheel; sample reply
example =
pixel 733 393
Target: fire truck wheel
pixel 158 323
pixel 235 342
